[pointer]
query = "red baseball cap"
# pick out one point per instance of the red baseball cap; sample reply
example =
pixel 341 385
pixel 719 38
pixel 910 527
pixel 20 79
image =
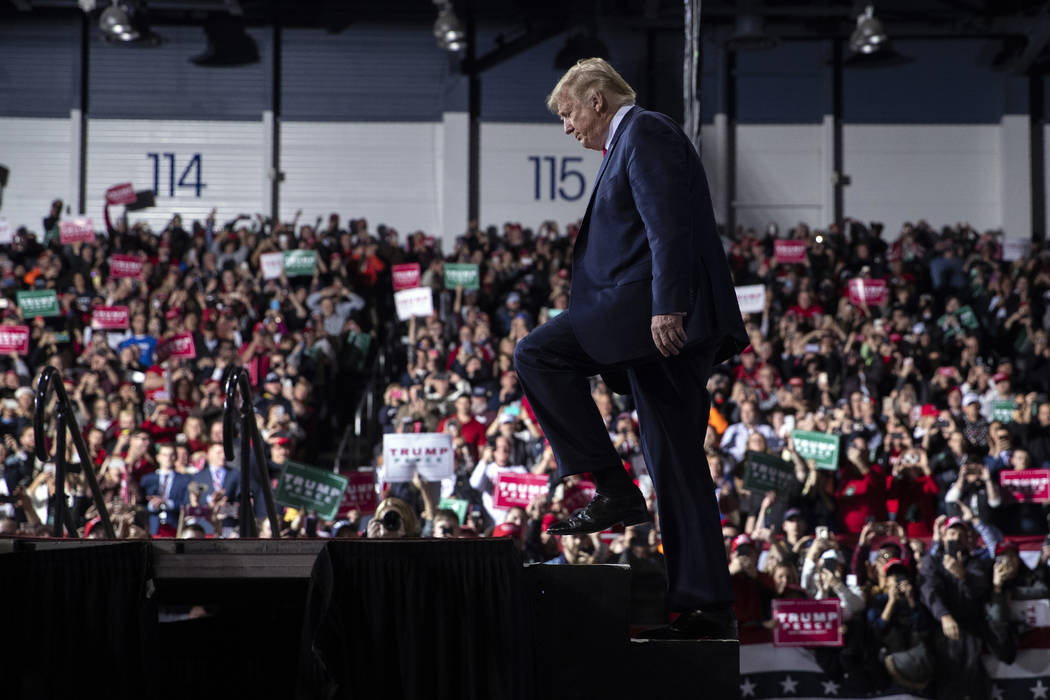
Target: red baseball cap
pixel 741 541
pixel 929 410
pixel 1000 377
pixel 506 530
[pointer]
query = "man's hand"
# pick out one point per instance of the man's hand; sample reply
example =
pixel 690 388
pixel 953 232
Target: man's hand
pixel 668 333
pixel 954 566
pixel 950 627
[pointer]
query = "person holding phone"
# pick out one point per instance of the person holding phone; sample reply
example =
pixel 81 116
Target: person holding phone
pixel 954 585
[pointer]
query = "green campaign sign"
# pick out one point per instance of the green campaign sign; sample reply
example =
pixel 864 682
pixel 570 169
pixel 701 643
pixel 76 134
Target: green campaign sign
pixel 300 263
pixel 767 473
pixel 456 505
pixel 1003 411
pixel 820 447
pixel 309 488
pixel 461 275
pixel 38 303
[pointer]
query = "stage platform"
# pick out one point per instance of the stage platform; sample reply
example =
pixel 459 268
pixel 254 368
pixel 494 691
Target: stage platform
pixel 332 619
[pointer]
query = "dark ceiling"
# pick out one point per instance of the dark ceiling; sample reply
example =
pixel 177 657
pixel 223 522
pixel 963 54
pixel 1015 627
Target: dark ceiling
pixel 1023 26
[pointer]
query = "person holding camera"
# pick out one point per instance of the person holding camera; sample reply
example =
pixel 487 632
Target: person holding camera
pixel 975 489
pixel 954 586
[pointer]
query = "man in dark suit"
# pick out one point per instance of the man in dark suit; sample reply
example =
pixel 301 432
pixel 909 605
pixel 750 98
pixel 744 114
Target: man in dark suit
pixel 652 308
pixel 165 490
pixel 222 483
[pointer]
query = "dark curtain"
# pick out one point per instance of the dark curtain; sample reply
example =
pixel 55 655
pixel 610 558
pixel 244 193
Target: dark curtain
pixel 78 622
pixel 416 620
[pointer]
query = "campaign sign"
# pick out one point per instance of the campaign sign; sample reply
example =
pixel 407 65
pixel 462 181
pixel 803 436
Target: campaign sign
pixel 1026 485
pixel 125 266
pixel 123 193
pixel 1003 410
pixel 820 447
pixel 1033 613
pixel 751 298
pixel 428 453
pixel 1016 249
pixel 109 318
pixel 272 265
pixel 360 492
pixel 456 505
pixel 871 292
pixel 418 301
pixel 43 302
pixel 405 276
pixel 76 231
pixel 7 235
pixel 518 490
pixel 789 251
pixel 579 495
pixel 807 623
pixel 14 339
pixel 300 263
pixel 309 488
pixel 461 275
pixel 767 473
pixel 179 347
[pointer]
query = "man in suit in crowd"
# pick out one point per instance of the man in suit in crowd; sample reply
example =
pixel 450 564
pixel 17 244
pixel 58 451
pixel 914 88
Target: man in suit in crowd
pixel 165 490
pixel 652 308
pixel 222 483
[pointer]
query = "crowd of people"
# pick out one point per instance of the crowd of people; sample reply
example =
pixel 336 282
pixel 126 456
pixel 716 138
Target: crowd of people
pixel 933 392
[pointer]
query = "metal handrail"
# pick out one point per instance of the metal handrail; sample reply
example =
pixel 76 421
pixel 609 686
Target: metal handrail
pixel 239 381
pixel 64 419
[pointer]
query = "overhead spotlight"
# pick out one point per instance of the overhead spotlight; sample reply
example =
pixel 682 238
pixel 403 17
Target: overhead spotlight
pixel 228 43
pixel 124 22
pixel 869 36
pixel 750 36
pixel 448 30
pixel 579 46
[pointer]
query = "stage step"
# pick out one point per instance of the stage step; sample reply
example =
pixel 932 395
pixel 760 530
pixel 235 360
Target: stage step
pixel 665 670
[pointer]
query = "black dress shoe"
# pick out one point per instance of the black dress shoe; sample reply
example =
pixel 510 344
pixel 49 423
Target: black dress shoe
pixel 602 513
pixel 698 624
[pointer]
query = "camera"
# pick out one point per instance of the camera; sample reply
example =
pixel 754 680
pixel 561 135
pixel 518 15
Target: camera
pixel 391 520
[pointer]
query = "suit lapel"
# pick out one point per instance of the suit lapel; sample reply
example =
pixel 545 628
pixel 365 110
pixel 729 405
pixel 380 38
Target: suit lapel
pixel 605 164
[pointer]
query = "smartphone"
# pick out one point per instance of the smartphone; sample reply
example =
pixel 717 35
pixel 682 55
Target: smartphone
pixel 822 532
pixel 513 409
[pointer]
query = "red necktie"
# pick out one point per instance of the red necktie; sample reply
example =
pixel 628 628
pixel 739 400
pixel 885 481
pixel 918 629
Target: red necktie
pixel 604 151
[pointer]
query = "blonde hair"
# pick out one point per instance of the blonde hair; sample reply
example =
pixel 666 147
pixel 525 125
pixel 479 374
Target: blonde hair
pixel 592 74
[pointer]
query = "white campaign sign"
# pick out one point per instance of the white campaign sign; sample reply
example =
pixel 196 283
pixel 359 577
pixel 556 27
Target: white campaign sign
pixel 752 298
pixel 1034 613
pixel 272 265
pixel 428 453
pixel 418 301
pixel 1016 249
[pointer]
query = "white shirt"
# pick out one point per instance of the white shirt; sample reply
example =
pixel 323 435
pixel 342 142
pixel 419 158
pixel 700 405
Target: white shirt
pixel 483 480
pixel 615 123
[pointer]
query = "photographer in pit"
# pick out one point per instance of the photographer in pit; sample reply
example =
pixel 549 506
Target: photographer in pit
pixel 955 583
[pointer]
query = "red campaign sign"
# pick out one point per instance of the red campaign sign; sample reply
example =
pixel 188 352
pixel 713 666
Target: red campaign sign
pixel 518 490
pixel 579 496
pixel 125 266
pixel 405 276
pixel 121 194
pixel 179 347
pixel 1027 485
pixel 874 292
pixel 789 251
pixel 807 623
pixel 360 493
pixel 107 318
pixel 14 339
pixel 76 231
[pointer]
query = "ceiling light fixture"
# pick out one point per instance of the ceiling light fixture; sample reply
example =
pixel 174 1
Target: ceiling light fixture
pixel 124 22
pixel 869 36
pixel 448 30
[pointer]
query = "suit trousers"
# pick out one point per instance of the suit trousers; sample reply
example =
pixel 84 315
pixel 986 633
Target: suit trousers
pixel 671 397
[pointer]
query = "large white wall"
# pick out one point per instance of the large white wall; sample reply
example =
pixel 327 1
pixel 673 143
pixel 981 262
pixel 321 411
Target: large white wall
pixel 779 170
pixel 39 154
pixel 941 173
pixel 231 167
pixel 412 176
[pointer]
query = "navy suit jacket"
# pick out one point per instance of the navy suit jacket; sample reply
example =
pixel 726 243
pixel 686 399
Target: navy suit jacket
pixel 178 496
pixel 648 245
